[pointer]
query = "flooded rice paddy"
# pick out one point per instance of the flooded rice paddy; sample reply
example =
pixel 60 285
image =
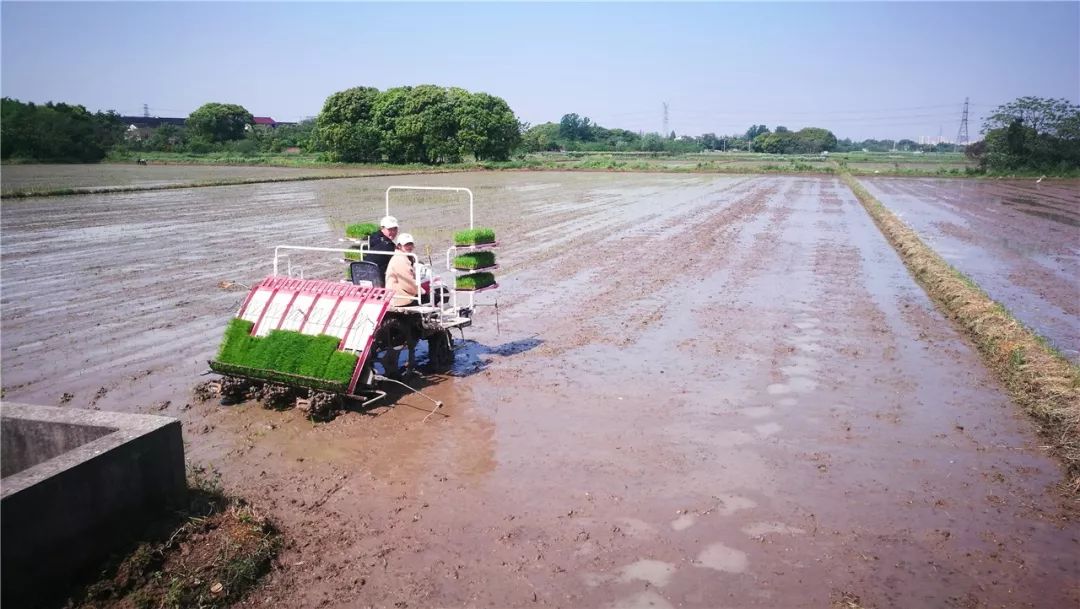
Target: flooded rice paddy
pixel 35 177
pixel 1019 240
pixel 695 391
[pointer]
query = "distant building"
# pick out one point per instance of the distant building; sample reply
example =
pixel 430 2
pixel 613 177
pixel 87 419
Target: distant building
pixel 268 123
pixel 139 127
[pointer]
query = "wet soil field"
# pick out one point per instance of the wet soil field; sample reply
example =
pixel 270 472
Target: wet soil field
pixel 1019 240
pixel 34 177
pixel 696 391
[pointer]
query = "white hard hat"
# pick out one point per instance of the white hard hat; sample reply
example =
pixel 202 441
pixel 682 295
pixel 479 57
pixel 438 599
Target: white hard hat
pixel 388 222
pixel 404 238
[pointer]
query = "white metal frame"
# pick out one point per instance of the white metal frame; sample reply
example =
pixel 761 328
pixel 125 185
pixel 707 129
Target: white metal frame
pixel 449 268
pixel 443 188
pixel 435 279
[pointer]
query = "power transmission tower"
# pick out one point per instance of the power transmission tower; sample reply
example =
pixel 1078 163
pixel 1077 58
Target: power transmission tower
pixel 962 135
pixel 146 111
pixel 665 132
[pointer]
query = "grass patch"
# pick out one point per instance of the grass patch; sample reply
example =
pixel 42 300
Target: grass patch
pixel 353 255
pixel 360 231
pixel 1040 379
pixel 475 236
pixel 209 555
pixel 474 260
pixel 287 352
pixel 476 281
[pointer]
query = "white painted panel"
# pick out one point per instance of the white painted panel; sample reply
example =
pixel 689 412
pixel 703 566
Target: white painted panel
pixel 364 326
pixel 256 305
pixel 344 314
pixel 318 315
pixel 274 310
pixel 295 317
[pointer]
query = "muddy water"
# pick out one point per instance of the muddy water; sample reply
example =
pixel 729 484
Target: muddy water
pixel 703 392
pixel 1020 241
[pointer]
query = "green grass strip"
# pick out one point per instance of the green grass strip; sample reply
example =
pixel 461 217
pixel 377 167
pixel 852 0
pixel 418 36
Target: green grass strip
pixel 360 231
pixel 287 352
pixel 474 260
pixel 475 236
pixel 1042 381
pixel 476 281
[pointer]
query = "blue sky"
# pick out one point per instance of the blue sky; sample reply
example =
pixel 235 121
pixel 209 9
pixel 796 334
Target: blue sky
pixel 885 70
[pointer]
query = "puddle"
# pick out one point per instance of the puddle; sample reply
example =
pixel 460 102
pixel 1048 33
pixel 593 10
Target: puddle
pixel 722 558
pixel 649 599
pixel 771 528
pixel 683 522
pixel 768 429
pixel 654 572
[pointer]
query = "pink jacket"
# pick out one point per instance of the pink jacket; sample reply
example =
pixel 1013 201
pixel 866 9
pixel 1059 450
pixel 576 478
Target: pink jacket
pixel 401 279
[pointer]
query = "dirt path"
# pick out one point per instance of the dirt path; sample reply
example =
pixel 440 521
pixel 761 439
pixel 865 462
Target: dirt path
pixel 706 392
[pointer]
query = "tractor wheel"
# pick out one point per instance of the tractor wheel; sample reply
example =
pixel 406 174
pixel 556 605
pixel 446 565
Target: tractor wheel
pixel 441 350
pixel 234 390
pixel 323 406
pixel 391 337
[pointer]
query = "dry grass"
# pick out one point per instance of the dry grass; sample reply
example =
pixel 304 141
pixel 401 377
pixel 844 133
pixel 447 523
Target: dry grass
pixel 1039 378
pixel 208 555
pixel 847 600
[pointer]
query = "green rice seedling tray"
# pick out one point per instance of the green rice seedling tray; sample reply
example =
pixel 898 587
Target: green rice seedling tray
pixel 474 282
pixel 360 231
pixel 275 376
pixel 474 236
pixel 291 355
pixel 475 261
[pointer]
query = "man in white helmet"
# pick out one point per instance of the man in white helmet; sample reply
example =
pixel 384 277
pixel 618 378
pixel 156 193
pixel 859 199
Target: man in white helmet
pixel 382 240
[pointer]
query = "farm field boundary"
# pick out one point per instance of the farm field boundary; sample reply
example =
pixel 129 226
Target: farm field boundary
pixel 98 190
pixel 1040 379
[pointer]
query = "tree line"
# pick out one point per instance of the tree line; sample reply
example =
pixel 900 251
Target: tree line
pixel 1030 134
pixel 56 133
pixel 422 124
pixel 431 124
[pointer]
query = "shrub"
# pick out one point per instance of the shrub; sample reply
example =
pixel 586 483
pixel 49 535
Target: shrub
pixel 476 281
pixel 475 236
pixel 474 260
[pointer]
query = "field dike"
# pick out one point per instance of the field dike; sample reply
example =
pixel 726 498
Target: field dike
pixel 1039 378
pixel 106 190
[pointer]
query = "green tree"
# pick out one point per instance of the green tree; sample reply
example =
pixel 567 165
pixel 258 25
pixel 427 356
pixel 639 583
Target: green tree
pixel 541 138
pixel 756 130
pixel 573 127
pixel 781 142
pixel 56 132
pixel 388 111
pixel 814 140
pixel 345 127
pixel 217 122
pixel 487 128
pixel 1033 133
pixel 167 138
pixel 431 125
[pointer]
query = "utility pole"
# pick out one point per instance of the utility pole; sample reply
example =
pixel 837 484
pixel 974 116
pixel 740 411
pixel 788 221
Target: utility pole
pixel 962 135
